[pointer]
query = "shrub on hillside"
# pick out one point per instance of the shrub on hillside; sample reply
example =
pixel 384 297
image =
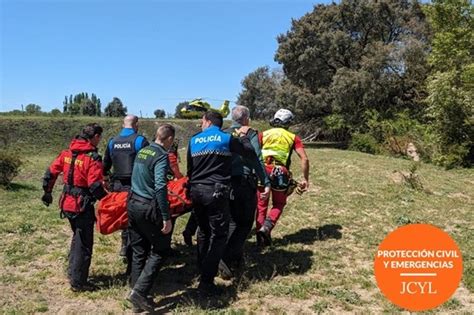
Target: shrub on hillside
pixel 394 135
pixel 364 142
pixel 9 167
pixel 454 156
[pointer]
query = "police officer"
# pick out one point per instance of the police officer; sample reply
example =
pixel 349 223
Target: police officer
pixel 149 217
pixel 243 202
pixel 81 166
pixel 119 156
pixel 209 165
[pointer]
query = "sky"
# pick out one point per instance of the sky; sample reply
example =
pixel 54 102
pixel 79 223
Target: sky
pixel 150 54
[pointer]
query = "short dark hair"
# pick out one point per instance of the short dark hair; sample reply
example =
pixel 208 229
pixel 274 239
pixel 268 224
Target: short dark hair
pixel 90 130
pixel 214 117
pixel 164 131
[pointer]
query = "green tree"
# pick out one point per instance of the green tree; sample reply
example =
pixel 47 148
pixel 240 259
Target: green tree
pixel 259 93
pixel 346 59
pixel 33 109
pixel 65 104
pixel 88 107
pixel 177 113
pixel 74 109
pixel 451 84
pixel 81 104
pixel 55 112
pixel 115 108
pixel 99 112
pixel 159 113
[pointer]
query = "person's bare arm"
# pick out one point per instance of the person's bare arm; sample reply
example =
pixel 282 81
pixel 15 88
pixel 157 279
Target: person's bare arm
pixel 304 167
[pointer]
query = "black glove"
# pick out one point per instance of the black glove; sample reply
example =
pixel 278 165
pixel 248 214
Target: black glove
pixel 47 199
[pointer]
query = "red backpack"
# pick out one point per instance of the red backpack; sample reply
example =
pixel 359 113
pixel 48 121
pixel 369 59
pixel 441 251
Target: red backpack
pixel 112 212
pixel 112 209
pixel 178 197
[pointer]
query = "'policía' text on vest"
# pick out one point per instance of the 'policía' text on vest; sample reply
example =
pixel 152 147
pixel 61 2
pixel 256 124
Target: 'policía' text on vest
pixel 213 138
pixel 122 145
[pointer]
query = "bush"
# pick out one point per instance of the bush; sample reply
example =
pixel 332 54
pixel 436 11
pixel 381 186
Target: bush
pixel 454 156
pixel 364 142
pixel 9 167
pixel 394 135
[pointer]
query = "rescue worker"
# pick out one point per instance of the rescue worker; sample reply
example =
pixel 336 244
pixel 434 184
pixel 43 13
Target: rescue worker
pixel 119 156
pixel 81 167
pixel 209 165
pixel 149 217
pixel 243 202
pixel 277 146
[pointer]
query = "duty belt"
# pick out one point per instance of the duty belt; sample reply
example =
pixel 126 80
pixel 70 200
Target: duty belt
pixel 140 198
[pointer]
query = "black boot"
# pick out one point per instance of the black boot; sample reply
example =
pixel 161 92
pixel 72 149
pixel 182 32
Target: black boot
pixel 264 233
pixel 209 289
pixel 141 302
pixel 225 271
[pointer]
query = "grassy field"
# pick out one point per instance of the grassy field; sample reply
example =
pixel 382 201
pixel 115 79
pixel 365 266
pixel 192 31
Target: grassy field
pixel 321 260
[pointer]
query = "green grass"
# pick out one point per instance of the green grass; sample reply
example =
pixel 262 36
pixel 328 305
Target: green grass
pixel 321 260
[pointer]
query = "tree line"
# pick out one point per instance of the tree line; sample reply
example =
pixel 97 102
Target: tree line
pixel 82 104
pixel 79 104
pixel 380 74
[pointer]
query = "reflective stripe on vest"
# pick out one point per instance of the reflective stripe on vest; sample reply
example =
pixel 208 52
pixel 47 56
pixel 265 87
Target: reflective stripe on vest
pixel 278 144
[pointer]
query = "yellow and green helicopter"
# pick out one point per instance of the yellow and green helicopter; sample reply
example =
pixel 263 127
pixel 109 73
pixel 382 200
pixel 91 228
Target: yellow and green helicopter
pixel 197 107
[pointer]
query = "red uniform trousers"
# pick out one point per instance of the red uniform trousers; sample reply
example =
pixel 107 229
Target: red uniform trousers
pixel 278 203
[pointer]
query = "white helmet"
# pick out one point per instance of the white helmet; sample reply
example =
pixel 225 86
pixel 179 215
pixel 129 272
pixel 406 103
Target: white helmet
pixel 283 117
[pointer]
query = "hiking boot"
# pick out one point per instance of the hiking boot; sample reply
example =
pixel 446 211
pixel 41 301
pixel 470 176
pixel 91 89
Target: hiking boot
pixel 260 242
pixel 188 238
pixel 141 302
pixel 264 234
pixel 225 271
pixel 209 289
pixel 85 287
pixel 136 309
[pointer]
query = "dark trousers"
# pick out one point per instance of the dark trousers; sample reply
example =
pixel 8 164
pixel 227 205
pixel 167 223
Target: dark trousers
pixel 80 254
pixel 212 215
pixel 242 216
pixel 191 225
pixel 148 245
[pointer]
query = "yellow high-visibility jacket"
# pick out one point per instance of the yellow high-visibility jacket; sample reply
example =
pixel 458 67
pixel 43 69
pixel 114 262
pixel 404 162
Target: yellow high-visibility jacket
pixel 278 143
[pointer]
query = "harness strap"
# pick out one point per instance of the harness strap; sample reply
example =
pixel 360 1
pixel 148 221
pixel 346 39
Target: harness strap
pixel 70 179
